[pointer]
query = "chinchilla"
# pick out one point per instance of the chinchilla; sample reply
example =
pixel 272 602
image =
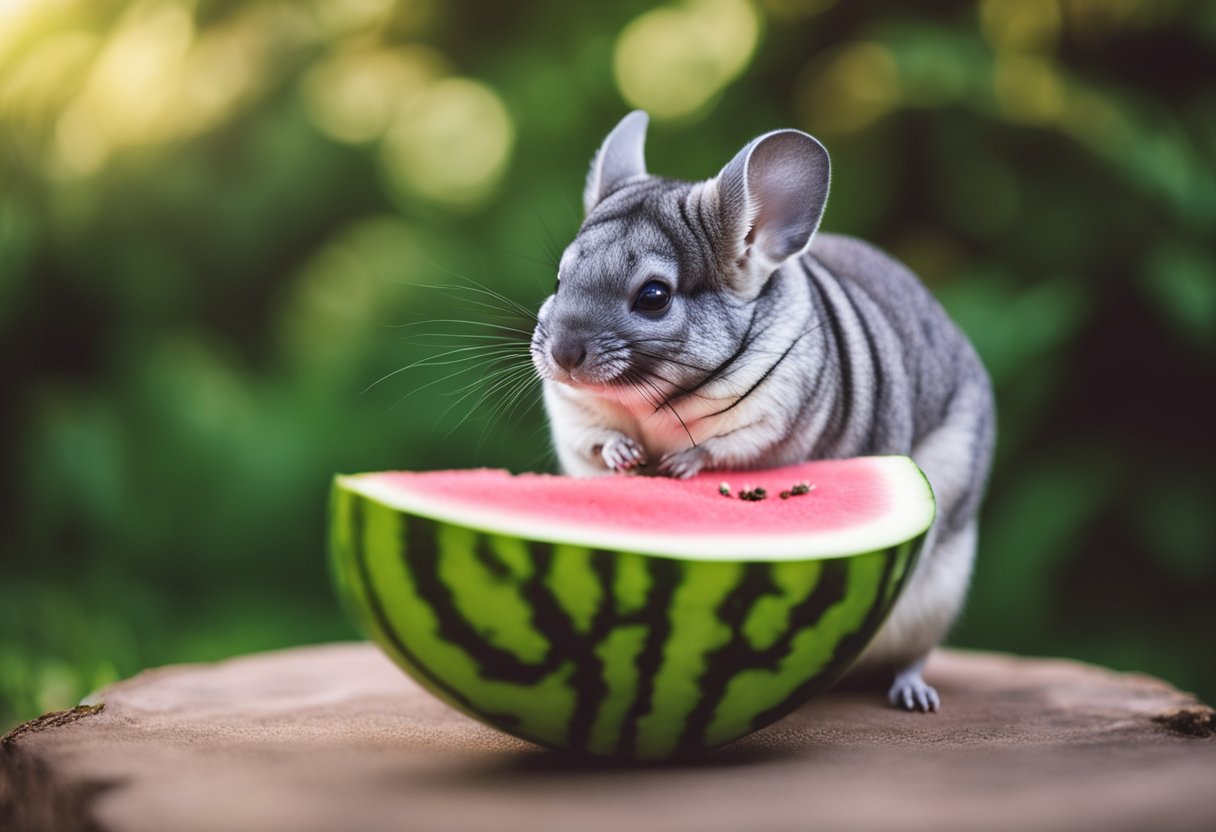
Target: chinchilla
pixel 706 325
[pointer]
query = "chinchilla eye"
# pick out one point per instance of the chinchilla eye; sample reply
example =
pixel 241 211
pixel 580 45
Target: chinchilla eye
pixel 653 298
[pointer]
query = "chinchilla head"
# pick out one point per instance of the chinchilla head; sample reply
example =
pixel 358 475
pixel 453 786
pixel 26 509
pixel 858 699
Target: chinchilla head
pixel 662 281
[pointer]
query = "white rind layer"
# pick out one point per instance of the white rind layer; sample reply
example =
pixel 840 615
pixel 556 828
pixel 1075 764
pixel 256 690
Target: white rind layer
pixel 910 514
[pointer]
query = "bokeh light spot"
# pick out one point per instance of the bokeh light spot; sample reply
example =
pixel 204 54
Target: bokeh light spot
pixel 671 61
pixel 345 16
pixel 1099 18
pixel 1097 122
pixel 1029 89
pixel 796 8
pixel 450 144
pixel 934 70
pixel 137 73
pixel 131 85
pixel 79 149
pixel 1020 24
pixel 354 96
pixel 850 89
pixel 336 295
pixel 224 68
pixel 19 17
pixel 36 86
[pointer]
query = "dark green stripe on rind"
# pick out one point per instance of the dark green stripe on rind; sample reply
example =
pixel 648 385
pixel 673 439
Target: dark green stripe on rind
pixel 727 663
pixel 454 626
pixel 605 652
pixel 364 588
pixel 654 615
pixel 897 566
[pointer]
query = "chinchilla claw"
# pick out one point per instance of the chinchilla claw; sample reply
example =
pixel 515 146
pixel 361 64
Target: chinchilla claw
pixel 623 454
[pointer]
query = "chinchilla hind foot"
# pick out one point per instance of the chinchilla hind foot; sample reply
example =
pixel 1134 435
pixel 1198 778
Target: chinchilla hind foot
pixel 911 692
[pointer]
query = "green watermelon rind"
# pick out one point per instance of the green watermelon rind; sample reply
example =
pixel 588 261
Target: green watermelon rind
pixel 610 653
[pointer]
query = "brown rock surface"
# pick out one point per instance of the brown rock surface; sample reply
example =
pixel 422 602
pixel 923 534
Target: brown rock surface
pixel 336 738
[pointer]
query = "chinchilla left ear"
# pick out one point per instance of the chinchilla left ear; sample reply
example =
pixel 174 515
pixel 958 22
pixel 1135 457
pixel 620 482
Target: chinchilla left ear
pixel 621 157
pixel 771 197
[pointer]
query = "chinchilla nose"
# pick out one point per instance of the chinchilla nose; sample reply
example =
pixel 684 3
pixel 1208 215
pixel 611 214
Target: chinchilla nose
pixel 569 353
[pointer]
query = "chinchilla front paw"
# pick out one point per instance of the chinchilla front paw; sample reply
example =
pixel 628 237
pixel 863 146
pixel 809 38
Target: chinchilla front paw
pixel 683 464
pixel 622 454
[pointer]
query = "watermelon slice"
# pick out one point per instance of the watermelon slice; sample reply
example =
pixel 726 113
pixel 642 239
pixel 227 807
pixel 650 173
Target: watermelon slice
pixel 633 617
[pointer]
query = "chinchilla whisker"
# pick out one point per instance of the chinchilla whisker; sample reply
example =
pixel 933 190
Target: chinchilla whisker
pixel 505 305
pixel 507 411
pixel 462 322
pixel 482 389
pixel 481 349
pixel 549 264
pixel 480 354
pixel 649 391
pixel 511 303
pixel 506 313
pixel 476 285
pixel 502 315
pixel 473 336
pixel 493 340
pixel 545 460
pixel 433 382
pixel 655 375
pixel 684 392
pixel 491 373
pixel 636 386
pixel 525 402
pixel 664 403
pixel 505 377
pixel 489 349
pixel 680 419
pixel 525 399
pixel 486 357
pixel 436 360
pixel 511 399
pixel 554 248
pixel 660 339
pixel 677 362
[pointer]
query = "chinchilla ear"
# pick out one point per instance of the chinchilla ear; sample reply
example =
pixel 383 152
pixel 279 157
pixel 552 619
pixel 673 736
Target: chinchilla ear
pixel 621 157
pixel 770 200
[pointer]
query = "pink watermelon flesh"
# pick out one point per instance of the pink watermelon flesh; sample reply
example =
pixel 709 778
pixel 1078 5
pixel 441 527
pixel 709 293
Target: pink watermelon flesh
pixel 857 505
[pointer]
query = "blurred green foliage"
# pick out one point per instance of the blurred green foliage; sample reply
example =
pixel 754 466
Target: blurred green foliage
pixel 220 222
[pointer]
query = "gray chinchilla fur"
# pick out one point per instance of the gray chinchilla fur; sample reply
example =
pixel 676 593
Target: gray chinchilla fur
pixel 707 325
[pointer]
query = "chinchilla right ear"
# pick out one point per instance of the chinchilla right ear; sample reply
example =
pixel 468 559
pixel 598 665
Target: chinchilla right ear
pixel 771 198
pixel 621 157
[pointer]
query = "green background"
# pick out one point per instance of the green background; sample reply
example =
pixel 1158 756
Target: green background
pixel 221 222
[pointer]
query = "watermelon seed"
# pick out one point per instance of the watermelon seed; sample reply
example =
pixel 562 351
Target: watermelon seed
pixel 785 495
pixel 752 494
